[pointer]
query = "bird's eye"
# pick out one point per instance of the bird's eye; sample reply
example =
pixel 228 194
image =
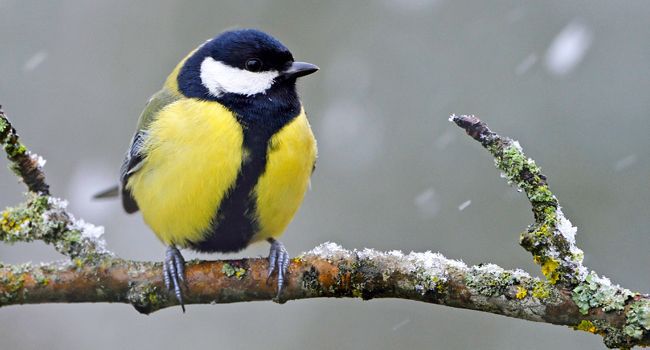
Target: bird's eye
pixel 254 65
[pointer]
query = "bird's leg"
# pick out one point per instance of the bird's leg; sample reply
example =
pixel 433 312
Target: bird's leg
pixel 278 259
pixel 174 272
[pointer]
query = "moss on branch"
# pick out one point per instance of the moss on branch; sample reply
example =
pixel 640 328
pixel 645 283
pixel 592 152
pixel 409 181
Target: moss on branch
pixel 45 218
pixel 570 295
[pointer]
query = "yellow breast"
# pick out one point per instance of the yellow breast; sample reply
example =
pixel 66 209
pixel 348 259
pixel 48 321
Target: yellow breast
pixel 194 152
pixel 281 188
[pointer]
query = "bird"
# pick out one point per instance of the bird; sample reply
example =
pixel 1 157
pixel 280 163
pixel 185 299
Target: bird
pixel 223 154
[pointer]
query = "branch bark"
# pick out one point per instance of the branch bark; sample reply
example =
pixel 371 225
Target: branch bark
pixel 25 164
pixel 570 295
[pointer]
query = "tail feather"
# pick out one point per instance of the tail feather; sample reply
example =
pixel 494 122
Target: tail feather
pixel 110 192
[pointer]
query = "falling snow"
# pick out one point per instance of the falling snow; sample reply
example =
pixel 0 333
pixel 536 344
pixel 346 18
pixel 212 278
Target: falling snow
pixel 427 203
pixel 525 65
pixel 625 162
pixel 445 139
pixel 568 48
pixel 401 324
pixel 413 5
pixel 35 60
pixel 352 135
pixel 464 205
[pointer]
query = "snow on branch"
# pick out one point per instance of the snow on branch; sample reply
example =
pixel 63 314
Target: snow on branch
pixel 570 295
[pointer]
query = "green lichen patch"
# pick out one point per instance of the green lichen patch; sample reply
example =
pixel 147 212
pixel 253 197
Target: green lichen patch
pixel 541 290
pixel 522 172
pixel 9 139
pixel 26 222
pixel 40 278
pixel 15 149
pixel 146 297
pixel 12 226
pixel 638 319
pixel 3 124
pixel 489 280
pixel 233 271
pixel 423 282
pixel 44 218
pixel 598 291
pixel 13 284
pixel 551 239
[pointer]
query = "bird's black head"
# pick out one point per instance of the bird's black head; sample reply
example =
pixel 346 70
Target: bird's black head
pixel 241 69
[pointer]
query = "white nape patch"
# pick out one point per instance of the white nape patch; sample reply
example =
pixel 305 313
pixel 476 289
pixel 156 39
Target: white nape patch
pixel 220 78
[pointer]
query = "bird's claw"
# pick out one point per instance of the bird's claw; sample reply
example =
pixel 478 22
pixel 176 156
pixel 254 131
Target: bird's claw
pixel 174 273
pixel 278 260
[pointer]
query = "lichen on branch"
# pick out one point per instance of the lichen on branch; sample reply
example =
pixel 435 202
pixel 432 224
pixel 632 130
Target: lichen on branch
pixel 570 295
pixel 27 165
pixel 41 216
pixel 46 219
pixel 551 239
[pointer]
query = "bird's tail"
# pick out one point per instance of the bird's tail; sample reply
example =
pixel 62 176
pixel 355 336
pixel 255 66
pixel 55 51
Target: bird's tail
pixel 110 192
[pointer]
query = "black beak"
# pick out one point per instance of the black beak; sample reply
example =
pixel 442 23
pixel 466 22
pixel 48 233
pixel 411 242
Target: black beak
pixel 299 69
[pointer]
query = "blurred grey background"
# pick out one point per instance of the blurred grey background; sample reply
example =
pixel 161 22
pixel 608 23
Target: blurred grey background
pixel 569 79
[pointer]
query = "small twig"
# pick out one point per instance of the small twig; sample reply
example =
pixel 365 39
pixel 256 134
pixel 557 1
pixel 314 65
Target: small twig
pixel 551 239
pixel 26 165
pixel 43 217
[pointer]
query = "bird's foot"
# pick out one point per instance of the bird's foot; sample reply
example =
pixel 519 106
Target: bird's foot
pixel 174 273
pixel 278 260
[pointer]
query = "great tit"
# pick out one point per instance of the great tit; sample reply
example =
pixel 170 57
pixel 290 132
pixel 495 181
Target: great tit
pixel 223 153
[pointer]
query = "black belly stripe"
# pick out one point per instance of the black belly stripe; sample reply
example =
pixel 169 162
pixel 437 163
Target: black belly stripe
pixel 261 116
pixel 234 224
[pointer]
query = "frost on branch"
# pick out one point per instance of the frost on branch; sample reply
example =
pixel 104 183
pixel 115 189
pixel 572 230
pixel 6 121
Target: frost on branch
pixel 45 218
pixel 570 295
pixel 551 240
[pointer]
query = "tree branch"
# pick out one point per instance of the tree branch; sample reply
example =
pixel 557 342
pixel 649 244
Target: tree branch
pixel 25 164
pixel 571 295
pixel 551 239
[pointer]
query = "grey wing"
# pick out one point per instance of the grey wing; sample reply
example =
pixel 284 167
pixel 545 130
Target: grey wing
pixel 133 162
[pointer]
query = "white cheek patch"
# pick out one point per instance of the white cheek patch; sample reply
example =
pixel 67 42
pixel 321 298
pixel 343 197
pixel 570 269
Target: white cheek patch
pixel 220 78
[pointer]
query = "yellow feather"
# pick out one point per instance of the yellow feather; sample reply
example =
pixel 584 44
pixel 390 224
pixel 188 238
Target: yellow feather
pixel 194 152
pixel 171 83
pixel 281 189
pixel 193 156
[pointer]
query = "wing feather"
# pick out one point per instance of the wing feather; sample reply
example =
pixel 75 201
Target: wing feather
pixel 135 158
pixel 133 162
